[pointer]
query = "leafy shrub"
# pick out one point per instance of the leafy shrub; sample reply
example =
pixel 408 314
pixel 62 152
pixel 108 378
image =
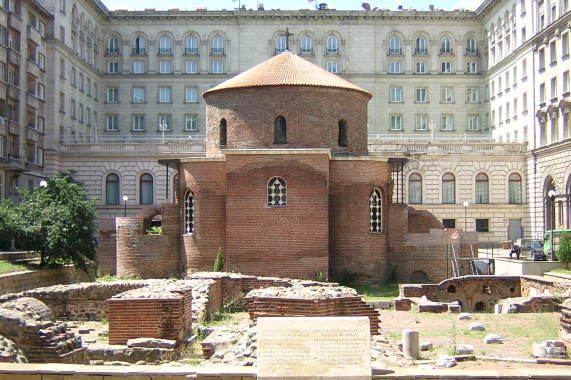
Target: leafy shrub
pixel 564 251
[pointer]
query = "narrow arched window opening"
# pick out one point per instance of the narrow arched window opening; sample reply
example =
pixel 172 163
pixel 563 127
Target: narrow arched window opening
pixel 112 189
pixel 482 192
pixel 514 188
pixel 223 132
pixel 376 211
pixel 415 189
pixel 146 189
pixel 277 192
pixel 280 131
pixel 189 212
pixel 448 188
pixel 342 133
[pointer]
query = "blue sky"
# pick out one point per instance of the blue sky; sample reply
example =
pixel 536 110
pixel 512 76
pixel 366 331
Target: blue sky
pixel 289 4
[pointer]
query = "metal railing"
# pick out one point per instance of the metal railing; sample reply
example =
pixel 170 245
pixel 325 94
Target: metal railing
pixel 428 137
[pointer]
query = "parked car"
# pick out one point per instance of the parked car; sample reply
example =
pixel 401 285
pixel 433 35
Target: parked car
pixel 531 249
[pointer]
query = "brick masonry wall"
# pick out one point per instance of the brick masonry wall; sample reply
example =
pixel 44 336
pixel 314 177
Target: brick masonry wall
pixel 106 250
pixel 312 115
pixel 21 281
pixel 145 255
pixel 468 290
pixel 207 180
pixel 565 324
pixel 330 307
pixel 541 284
pixel 283 241
pixel 354 249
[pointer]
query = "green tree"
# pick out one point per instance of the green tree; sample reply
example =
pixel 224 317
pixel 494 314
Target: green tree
pixel 57 222
pixel 219 262
pixel 564 251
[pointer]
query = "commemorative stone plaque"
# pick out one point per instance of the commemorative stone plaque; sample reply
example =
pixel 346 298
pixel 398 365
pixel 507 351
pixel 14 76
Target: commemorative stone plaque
pixel 310 348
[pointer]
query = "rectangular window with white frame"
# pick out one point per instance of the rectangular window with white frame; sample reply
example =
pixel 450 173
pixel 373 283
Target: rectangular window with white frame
pixel 472 95
pixel 42 61
pixel 112 95
pixel 191 67
pixel 421 123
pixel 191 123
pixel 524 102
pixel 164 94
pixel 553 88
pixel 395 95
pixel 112 67
pixel 218 67
pixel 396 122
pixel 446 95
pixel 138 123
pixel 41 124
pixel 332 67
pixel 471 68
pixel 473 123
pixel 112 123
pixel 565 45
pixel 165 121
pixel 566 83
pixel 421 95
pixel 138 95
pixel 191 95
pixel 138 67
pixel 40 156
pixel 41 91
pixel 394 67
pixel 164 67
pixel 446 67
pixel 420 67
pixel 447 122
pixel 73 116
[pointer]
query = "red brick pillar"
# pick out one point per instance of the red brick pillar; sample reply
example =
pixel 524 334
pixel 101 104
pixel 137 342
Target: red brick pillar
pixel 127 247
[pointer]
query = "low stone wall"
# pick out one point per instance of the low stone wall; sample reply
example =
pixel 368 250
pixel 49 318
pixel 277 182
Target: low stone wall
pixel 536 285
pixel 83 372
pixel 85 301
pixel 565 324
pixel 20 281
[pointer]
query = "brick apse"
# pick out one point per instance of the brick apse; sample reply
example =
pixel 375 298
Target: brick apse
pixel 287 189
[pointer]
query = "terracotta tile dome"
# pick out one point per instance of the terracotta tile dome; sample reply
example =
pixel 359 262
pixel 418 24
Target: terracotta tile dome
pixel 286 69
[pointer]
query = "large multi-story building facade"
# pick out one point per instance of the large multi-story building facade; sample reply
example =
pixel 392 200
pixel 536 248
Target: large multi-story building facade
pixel 472 106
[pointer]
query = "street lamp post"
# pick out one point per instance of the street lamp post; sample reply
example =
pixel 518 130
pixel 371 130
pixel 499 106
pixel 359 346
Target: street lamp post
pixel 466 204
pixel 162 127
pixel 125 199
pixel 551 193
pixel 43 184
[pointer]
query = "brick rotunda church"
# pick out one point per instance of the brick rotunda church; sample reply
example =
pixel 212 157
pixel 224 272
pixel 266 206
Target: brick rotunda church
pixel 286 189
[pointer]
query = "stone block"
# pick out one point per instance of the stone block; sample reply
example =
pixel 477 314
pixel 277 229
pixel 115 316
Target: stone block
pixel 464 316
pixel 493 339
pixel 477 326
pixel 464 349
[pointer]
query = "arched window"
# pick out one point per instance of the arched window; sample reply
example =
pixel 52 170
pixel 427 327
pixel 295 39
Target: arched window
pixel 139 46
pixel 376 211
pixel 482 188
pixel 223 132
pixel 189 212
pixel 280 131
pixel 332 46
pixel 445 47
pixel 420 46
pixel 448 189
pixel 306 45
pixel 217 45
pixel 277 192
pixel 280 44
pixel 342 133
pixel 514 188
pixel 471 47
pixel 165 45
pixel 113 46
pixel 191 46
pixel 415 189
pixel 146 189
pixel 112 189
pixel 395 46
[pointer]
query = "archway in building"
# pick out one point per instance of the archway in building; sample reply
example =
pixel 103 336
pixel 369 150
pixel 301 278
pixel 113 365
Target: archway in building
pixel 418 277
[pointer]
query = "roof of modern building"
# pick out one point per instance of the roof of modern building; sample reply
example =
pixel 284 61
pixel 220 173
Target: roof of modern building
pixel 286 69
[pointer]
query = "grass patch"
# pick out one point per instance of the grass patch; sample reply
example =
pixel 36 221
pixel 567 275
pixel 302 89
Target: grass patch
pixel 8 267
pixel 561 270
pixel 380 292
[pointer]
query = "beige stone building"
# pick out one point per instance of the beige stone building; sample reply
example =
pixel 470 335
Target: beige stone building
pixel 474 104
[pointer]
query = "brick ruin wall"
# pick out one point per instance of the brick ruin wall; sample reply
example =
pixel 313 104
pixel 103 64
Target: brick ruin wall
pixel 472 292
pixel 21 281
pixel 162 315
pixel 331 307
pixel 424 254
